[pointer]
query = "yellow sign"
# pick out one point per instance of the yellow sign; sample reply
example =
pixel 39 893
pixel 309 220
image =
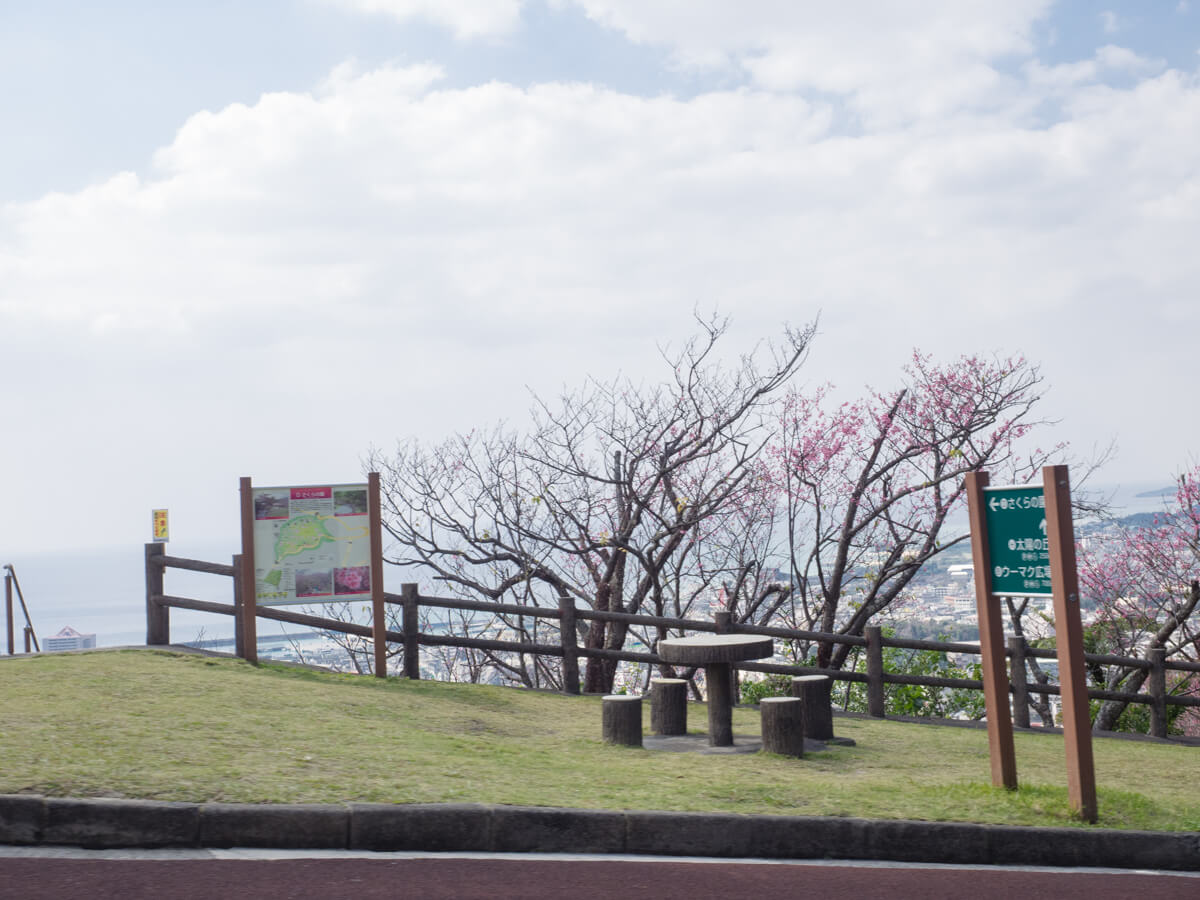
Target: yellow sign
pixel 160 526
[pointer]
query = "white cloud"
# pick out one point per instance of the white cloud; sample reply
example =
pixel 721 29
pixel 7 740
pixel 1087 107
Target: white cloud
pixel 466 18
pixel 1110 22
pixel 895 61
pixel 1107 59
pixel 296 279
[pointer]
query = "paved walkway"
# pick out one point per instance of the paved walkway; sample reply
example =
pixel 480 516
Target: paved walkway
pixel 43 873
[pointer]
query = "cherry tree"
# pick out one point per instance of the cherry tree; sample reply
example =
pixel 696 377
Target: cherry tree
pixel 869 486
pixel 610 497
pixel 1143 581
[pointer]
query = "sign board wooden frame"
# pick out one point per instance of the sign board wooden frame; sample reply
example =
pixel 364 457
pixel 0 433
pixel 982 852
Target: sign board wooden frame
pixel 991 643
pixel 1059 548
pixel 248 579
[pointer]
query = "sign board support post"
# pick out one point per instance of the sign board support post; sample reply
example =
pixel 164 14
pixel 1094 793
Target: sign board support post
pixel 249 587
pixel 1068 627
pixel 991 644
pixel 379 620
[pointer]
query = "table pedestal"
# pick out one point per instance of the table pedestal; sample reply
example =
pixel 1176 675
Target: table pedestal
pixel 716 653
pixel 717 678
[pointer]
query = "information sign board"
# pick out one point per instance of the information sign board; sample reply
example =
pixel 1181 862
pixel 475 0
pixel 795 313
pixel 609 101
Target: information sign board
pixel 1018 546
pixel 160 526
pixel 312 544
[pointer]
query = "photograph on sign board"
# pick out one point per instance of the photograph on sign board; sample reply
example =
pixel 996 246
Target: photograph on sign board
pixel 352 580
pixel 350 502
pixel 314 583
pixel 270 505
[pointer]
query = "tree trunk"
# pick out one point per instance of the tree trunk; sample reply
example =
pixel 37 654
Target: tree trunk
pixel 593 679
pixel 1110 710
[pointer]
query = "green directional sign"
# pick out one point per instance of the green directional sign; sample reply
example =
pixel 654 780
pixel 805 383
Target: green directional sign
pixel 1017 541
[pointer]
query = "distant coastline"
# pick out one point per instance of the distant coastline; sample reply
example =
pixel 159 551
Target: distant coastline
pixel 1161 492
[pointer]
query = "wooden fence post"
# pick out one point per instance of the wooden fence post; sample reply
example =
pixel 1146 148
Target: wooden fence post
pixel 569 637
pixel 1158 691
pixel 875 697
pixel 158 616
pixel 724 624
pixel 1020 684
pixel 239 633
pixel 410 601
pixel 8 608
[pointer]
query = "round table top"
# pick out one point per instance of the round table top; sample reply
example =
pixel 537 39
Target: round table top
pixel 706 649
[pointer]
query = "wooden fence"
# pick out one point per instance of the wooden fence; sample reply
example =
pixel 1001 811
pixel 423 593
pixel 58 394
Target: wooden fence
pixel 568 649
pixel 11 582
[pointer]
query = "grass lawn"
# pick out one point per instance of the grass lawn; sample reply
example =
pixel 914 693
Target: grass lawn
pixel 167 726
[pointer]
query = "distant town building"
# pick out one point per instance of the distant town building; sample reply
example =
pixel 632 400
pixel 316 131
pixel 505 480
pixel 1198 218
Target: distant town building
pixel 68 639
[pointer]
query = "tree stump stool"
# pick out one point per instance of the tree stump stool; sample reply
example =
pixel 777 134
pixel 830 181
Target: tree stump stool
pixel 622 721
pixel 818 710
pixel 783 725
pixel 668 706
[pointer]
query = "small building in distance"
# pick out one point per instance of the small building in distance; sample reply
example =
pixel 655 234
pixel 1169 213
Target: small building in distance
pixel 68 639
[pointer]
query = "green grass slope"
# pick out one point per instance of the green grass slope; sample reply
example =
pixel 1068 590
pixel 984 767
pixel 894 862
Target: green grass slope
pixel 167 726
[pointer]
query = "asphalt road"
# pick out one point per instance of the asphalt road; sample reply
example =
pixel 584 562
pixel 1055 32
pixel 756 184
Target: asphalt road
pixel 82 874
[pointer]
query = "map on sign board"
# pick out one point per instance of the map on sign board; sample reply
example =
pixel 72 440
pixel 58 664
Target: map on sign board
pixel 312 544
pixel 1018 546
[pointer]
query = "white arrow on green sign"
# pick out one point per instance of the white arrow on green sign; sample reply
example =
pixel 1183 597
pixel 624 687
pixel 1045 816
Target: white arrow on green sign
pixel 1017 543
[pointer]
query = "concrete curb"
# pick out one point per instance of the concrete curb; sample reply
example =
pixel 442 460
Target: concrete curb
pixel 98 823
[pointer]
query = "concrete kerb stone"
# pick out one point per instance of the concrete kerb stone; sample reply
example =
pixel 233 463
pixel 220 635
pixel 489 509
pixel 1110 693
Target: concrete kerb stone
pixel 22 818
pixel 1010 845
pixel 1041 847
pixel 283 826
pixel 808 837
pixel 103 823
pixel 689 834
pixel 1149 850
pixel 932 842
pixel 518 829
pixel 111 823
pixel 427 827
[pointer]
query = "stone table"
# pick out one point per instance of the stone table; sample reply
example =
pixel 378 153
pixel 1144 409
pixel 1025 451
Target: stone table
pixel 716 653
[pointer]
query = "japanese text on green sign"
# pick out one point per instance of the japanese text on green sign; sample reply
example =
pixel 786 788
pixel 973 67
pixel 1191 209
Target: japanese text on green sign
pixel 1017 541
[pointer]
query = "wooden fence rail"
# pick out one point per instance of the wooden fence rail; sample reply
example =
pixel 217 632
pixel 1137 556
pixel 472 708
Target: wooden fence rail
pixel 568 650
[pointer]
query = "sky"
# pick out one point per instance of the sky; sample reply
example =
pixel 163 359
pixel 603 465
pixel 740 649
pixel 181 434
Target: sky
pixel 261 239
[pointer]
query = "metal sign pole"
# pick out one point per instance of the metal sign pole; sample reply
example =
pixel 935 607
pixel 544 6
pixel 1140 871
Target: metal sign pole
pixel 991 643
pixel 1068 628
